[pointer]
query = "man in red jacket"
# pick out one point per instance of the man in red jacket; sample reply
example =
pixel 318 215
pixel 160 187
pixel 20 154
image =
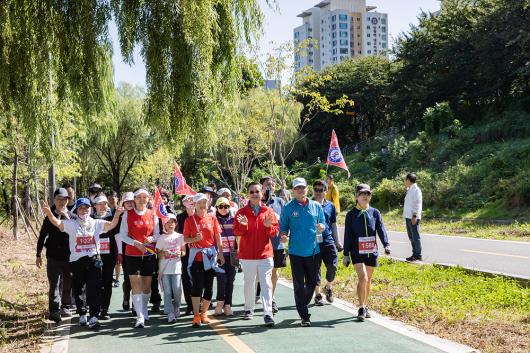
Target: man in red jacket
pixel 256 224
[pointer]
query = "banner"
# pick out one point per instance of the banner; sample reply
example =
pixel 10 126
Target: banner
pixel 158 206
pixel 335 155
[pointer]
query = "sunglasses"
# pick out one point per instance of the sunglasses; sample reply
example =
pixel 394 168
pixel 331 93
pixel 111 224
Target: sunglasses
pixel 318 190
pixel 226 207
pixel 254 192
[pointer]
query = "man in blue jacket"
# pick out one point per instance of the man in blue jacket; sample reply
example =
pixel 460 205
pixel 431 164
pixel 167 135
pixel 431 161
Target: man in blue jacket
pixel 302 219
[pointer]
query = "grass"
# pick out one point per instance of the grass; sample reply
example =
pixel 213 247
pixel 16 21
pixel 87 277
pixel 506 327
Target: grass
pixel 491 314
pixel 23 295
pixel 516 231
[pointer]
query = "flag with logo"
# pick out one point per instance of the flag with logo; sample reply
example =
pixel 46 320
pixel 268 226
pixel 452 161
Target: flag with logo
pixel 158 206
pixel 335 155
pixel 181 187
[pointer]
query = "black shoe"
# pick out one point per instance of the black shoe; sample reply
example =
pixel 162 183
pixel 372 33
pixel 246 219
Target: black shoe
pixel 155 308
pixel 418 257
pixel 318 300
pixel 361 315
pixel 116 283
pixel 269 322
pixel 275 307
pixel 104 315
pixel 367 313
pixel 411 259
pixel 329 294
pixel 125 305
pixel 248 315
pixel 305 323
pixel 55 317
pixel 133 312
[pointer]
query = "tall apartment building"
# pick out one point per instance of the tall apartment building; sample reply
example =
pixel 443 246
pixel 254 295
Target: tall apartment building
pixel 340 29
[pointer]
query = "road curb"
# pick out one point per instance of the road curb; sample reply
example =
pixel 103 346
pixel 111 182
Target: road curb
pixel 443 344
pixel 56 337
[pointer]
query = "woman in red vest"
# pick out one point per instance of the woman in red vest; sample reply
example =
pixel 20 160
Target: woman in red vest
pixel 139 230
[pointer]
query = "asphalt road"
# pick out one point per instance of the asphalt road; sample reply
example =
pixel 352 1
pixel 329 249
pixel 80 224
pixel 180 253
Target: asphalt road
pixel 495 256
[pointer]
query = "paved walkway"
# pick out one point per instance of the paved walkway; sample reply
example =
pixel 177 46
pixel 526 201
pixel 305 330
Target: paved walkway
pixel 495 256
pixel 333 330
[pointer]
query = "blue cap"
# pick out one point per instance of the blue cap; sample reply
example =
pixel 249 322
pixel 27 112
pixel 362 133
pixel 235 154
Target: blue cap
pixel 82 201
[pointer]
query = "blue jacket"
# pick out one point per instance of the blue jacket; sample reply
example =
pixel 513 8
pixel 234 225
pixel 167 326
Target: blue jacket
pixel 301 222
pixel 331 217
pixel 360 223
pixel 209 259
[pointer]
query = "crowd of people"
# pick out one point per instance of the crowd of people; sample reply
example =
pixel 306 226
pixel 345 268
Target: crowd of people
pixel 211 238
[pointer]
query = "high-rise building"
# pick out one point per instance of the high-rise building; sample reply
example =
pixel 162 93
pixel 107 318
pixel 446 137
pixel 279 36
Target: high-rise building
pixel 337 30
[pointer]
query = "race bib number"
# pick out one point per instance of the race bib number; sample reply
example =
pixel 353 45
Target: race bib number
pixel 228 242
pixel 367 245
pixel 104 246
pixel 85 243
pixel 172 253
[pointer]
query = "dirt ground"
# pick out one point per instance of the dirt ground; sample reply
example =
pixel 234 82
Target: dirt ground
pixel 23 298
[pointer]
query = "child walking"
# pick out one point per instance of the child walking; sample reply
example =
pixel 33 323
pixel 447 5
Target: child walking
pixel 170 247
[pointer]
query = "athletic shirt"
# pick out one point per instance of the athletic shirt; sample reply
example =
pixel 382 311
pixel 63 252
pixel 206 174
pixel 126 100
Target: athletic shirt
pixel 140 227
pixel 208 226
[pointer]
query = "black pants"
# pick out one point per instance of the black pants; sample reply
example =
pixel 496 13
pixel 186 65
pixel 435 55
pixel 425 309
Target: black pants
pixel 304 273
pixel 109 262
pixel 156 298
pixel 330 257
pixel 85 273
pixel 202 281
pixel 186 279
pixel 60 284
pixel 225 282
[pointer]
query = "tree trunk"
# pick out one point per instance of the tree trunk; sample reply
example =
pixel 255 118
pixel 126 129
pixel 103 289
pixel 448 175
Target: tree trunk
pixel 14 208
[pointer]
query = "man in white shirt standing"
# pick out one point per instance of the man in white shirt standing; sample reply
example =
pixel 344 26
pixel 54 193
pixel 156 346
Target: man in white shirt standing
pixel 412 215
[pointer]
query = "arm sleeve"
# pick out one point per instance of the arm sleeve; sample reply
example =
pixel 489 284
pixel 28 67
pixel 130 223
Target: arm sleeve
pixel 347 234
pixel 380 228
pixel 239 229
pixel 160 244
pixel 188 231
pixel 44 229
pixel 416 206
pixel 273 229
pixel 124 231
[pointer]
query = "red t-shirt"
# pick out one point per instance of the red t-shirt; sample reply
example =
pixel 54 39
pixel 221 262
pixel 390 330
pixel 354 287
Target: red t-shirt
pixel 208 226
pixel 140 227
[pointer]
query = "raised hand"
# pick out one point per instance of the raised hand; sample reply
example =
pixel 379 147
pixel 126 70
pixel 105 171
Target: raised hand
pixel 119 210
pixel 268 221
pixel 242 220
pixel 46 208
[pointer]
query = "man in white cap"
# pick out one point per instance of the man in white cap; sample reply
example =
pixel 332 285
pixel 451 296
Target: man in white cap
pixel 303 220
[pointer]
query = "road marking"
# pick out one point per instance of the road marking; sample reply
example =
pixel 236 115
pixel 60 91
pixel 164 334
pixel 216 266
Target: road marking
pixel 229 336
pixel 494 253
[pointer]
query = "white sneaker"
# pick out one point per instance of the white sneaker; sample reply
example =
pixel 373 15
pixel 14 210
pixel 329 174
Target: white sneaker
pixel 171 318
pixel 93 322
pixel 82 320
pixel 140 323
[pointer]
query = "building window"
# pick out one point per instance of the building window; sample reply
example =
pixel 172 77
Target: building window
pixel 334 43
pixel 334 34
pixel 367 27
pixel 297 35
pixel 334 58
pixel 383 45
pixel 333 18
pixel 343 17
pixel 368 35
pixel 343 34
pixel 343 42
pixel 310 29
pixel 369 52
pixel 358 18
pixel 343 25
pixel 369 43
pixel 383 29
pixel 383 21
pixel 360 52
pixel 310 53
pixel 334 26
pixel 335 51
pixel 344 50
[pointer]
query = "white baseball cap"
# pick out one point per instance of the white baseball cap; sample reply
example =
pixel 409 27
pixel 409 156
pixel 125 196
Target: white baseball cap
pixel 100 199
pixel 221 191
pixel 128 196
pixel 198 197
pixel 187 197
pixel 171 216
pixel 141 191
pixel 299 182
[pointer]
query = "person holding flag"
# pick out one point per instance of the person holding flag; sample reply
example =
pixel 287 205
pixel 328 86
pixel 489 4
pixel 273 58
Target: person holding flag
pixel 336 159
pixel 139 229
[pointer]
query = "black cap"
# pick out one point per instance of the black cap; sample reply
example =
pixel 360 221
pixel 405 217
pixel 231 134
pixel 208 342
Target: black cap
pixel 94 187
pixel 363 188
pixel 207 189
pixel 61 192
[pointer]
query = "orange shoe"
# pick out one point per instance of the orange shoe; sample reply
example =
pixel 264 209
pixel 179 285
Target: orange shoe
pixel 204 318
pixel 196 321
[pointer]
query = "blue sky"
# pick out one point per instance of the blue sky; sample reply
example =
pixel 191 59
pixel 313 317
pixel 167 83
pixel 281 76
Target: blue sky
pixel 279 28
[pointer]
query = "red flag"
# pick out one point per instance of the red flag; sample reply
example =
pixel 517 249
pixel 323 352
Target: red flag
pixel 158 206
pixel 181 188
pixel 335 155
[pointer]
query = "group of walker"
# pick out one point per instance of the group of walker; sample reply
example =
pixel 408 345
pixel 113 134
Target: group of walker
pixel 208 240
